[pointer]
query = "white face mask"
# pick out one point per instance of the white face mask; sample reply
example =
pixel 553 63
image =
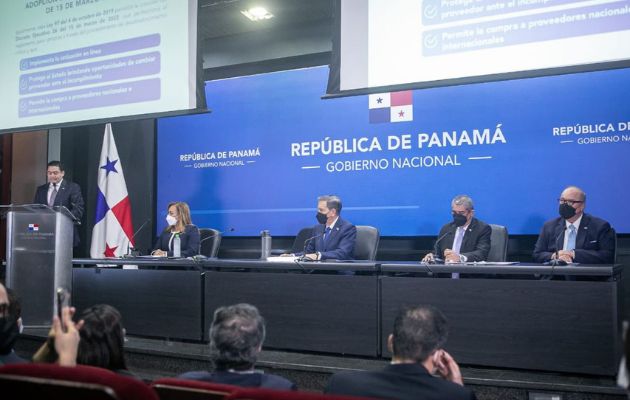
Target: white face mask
pixel 170 220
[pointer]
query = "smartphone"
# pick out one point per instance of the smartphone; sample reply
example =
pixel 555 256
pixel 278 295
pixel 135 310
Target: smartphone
pixel 63 300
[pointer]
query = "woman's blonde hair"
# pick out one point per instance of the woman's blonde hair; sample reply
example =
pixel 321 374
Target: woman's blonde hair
pixel 183 215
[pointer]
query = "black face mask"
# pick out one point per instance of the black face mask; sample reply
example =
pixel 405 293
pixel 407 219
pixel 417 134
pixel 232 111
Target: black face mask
pixel 459 220
pixel 566 211
pixel 321 218
pixel 9 332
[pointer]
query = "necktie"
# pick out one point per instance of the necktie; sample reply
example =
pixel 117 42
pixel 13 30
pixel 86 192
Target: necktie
pixel 53 195
pixel 571 238
pixel 457 244
pixel 327 233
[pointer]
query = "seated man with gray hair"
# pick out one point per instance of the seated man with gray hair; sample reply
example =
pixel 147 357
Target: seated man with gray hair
pixel 237 334
pixel 466 239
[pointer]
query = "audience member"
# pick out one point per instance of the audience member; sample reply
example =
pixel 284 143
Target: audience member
pixel 10 326
pixel 66 337
pixel 102 339
pixel 416 344
pixel 237 334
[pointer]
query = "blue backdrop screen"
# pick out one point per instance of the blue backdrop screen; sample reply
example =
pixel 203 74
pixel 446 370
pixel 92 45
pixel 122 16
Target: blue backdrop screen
pixel 271 145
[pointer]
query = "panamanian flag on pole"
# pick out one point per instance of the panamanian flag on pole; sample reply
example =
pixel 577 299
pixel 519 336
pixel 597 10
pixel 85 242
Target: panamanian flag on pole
pixel 113 230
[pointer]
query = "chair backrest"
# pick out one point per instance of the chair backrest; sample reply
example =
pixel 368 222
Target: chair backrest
pixel 29 387
pixel 210 240
pixel 615 253
pixel 498 243
pixel 271 394
pixel 122 387
pixel 367 243
pixel 185 389
pixel 302 236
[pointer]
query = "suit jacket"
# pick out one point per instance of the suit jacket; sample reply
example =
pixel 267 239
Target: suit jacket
pixel 475 245
pixel 69 196
pixel 399 382
pixel 594 243
pixel 254 379
pixel 339 244
pixel 189 241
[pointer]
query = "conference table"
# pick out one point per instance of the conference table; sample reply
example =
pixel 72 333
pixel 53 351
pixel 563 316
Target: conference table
pixel 506 315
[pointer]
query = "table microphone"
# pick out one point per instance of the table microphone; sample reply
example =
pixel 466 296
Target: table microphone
pixel 198 257
pixel 304 258
pixel 556 261
pixel 436 258
pixel 131 252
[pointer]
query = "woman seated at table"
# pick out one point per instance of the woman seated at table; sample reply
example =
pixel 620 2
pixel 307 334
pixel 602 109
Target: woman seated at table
pixel 179 224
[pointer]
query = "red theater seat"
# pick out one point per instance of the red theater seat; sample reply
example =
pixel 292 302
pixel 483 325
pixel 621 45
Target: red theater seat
pixel 50 381
pixel 269 394
pixel 185 389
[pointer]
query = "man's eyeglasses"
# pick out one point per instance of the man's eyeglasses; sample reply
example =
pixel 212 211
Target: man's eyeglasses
pixel 569 202
pixel 464 213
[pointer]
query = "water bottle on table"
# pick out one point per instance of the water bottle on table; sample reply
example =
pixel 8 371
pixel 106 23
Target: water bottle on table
pixel 177 246
pixel 265 243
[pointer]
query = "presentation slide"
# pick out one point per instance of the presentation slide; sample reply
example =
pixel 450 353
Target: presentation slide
pixel 76 60
pixel 271 146
pixel 436 40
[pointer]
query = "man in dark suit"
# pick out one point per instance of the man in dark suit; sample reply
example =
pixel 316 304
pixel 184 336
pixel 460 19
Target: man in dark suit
pixel 237 334
pixel 466 239
pixel 575 237
pixel 416 345
pixel 333 237
pixel 61 192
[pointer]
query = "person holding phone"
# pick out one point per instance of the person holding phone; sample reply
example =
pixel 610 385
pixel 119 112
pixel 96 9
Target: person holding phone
pixel 416 344
pixel 179 225
pixel 66 337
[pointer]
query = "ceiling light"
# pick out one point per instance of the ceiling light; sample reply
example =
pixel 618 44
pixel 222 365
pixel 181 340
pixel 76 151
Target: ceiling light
pixel 257 14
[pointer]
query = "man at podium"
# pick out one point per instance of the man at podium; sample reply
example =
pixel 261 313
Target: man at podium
pixel 61 192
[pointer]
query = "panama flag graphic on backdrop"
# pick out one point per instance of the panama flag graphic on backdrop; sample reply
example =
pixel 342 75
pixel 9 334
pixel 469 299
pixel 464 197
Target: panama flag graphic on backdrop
pixel 112 235
pixel 391 107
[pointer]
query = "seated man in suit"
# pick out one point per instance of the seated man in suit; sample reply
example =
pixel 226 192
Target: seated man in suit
pixel 416 344
pixel 237 334
pixel 61 192
pixel 466 239
pixel 333 237
pixel 589 240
